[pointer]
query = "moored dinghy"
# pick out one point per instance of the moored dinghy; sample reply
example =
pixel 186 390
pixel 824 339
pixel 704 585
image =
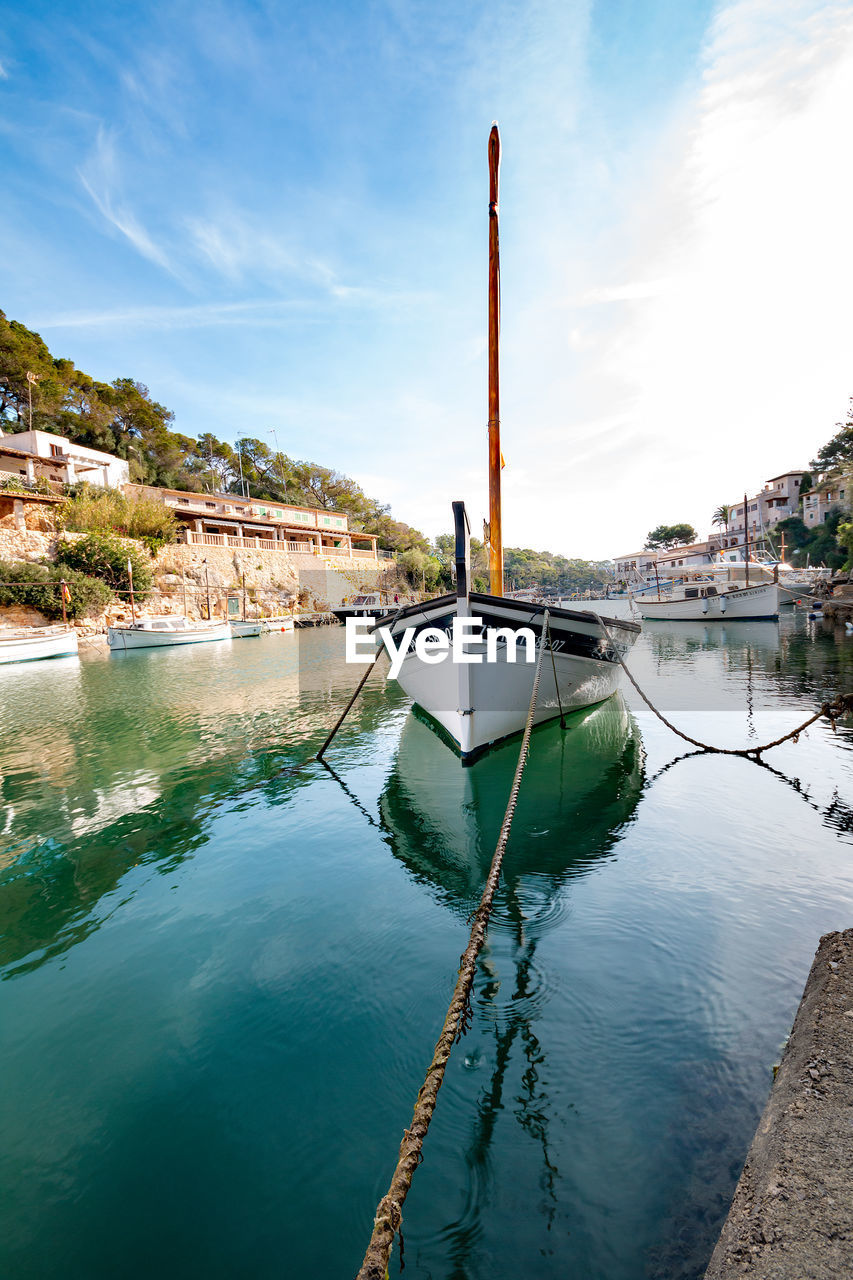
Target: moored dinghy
pixel 28 644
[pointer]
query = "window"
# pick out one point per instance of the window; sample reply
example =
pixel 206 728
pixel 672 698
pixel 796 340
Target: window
pixel 212 505
pixel 183 502
pixel 56 450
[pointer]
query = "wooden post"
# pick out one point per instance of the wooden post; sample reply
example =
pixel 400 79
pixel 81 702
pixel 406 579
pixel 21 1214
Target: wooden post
pixel 130 580
pixel 184 589
pixel 496 557
pixel 207 588
pixel 243 581
pixel 63 587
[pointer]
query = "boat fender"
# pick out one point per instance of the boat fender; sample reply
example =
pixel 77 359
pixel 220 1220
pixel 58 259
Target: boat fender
pixel 724 604
pixel 704 606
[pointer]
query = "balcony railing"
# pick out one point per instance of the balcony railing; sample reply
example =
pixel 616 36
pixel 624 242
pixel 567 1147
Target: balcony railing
pixel 272 544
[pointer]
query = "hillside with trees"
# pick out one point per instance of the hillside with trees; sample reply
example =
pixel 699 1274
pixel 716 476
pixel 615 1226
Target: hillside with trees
pixel 122 417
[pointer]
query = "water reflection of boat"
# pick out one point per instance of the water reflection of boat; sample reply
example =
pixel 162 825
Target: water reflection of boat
pixel 759 634
pixel 578 791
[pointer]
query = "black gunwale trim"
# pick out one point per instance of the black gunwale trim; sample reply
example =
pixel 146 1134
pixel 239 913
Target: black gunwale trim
pixel 521 606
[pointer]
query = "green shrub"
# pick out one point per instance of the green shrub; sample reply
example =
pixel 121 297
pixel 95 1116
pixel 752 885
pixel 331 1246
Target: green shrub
pixel 90 509
pixel 37 586
pixel 105 556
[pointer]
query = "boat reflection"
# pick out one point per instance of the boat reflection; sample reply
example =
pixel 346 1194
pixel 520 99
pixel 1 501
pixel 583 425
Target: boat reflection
pixel 664 639
pixel 580 789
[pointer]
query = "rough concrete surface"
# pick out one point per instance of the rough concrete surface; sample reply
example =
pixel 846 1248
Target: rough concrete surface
pixel 792 1213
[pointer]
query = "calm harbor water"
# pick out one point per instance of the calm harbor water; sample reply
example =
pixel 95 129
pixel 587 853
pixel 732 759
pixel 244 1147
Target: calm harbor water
pixel 224 975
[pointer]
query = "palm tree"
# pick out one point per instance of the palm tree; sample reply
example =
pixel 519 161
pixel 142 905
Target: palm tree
pixel 722 516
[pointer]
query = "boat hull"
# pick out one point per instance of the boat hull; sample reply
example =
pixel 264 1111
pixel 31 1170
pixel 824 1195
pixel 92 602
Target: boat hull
pixel 243 630
pixel 476 703
pixel 278 624
pixel 47 642
pixel 745 604
pixel 123 638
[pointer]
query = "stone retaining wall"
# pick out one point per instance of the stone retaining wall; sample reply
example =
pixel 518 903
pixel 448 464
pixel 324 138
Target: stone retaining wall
pixel 187 576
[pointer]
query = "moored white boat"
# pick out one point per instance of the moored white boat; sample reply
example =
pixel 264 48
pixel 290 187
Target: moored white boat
pixel 477 702
pixel 708 603
pixel 242 630
pixel 170 629
pixel 366 605
pixel 28 644
pixel 282 623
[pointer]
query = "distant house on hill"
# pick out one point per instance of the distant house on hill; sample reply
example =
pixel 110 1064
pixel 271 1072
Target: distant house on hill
pixel 833 492
pixel 34 455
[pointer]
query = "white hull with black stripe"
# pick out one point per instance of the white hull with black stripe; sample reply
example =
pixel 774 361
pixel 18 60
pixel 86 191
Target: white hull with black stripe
pixel 478 703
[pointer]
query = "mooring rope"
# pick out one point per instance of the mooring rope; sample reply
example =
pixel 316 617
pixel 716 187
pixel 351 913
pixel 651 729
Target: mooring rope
pixel 358 688
pixel 389 1213
pixel 840 705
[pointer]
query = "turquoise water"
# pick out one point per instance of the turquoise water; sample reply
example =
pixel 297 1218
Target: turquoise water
pixel 224 974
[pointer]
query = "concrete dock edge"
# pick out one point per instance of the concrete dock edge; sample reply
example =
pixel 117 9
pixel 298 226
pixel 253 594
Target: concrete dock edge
pixel 791 1217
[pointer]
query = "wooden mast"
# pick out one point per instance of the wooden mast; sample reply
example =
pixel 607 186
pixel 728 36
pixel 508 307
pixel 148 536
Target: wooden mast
pixel 496 553
pixel 746 538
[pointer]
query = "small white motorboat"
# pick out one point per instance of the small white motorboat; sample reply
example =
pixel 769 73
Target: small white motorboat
pixel 27 644
pixel 368 605
pixel 282 623
pixel 149 633
pixel 241 630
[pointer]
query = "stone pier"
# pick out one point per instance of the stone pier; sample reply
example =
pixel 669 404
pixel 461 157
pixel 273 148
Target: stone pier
pixel 792 1213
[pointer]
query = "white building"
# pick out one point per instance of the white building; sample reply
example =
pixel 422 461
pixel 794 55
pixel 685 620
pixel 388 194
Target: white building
pixel 779 499
pixel 833 491
pixel 34 454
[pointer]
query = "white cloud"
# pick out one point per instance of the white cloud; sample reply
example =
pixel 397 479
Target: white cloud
pixel 729 358
pixel 204 315
pixel 101 178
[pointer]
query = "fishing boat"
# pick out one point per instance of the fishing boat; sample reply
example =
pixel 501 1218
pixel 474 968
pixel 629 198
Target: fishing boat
pixel 698 602
pixel 281 623
pixel 367 605
pixel 171 629
pixel 29 644
pixel 242 630
pixel 483 695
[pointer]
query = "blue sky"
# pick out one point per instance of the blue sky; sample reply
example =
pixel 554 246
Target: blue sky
pixel 274 215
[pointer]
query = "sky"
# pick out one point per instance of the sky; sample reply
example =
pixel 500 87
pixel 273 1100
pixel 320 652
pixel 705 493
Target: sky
pixel 275 215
